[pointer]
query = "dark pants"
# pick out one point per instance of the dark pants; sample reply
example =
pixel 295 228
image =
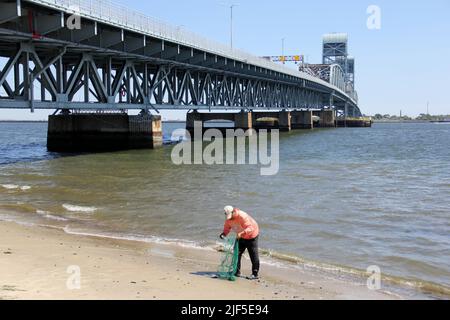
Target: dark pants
pixel 252 247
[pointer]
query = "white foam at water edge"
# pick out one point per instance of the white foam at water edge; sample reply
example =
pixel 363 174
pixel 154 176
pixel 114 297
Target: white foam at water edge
pixel 15 187
pixel 10 186
pixel 167 241
pixel 47 215
pixel 152 239
pixel 73 208
pixel 7 218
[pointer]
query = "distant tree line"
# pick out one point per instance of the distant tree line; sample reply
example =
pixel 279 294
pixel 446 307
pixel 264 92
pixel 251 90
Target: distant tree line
pixel 421 117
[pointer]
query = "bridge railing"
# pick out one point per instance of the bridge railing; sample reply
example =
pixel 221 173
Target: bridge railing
pixel 113 13
pixel 119 15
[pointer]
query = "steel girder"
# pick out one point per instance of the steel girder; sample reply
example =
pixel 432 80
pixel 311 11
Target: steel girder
pixel 70 80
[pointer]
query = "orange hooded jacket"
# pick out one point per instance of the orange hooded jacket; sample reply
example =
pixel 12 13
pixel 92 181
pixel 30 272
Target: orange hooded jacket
pixel 243 224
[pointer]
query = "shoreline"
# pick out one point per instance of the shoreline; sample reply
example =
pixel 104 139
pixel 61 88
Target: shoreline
pixel 35 261
pixel 406 121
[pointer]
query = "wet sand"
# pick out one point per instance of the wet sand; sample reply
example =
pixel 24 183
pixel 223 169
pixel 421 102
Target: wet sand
pixel 34 264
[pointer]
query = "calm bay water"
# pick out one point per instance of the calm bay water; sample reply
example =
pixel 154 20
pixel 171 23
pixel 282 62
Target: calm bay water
pixel 350 197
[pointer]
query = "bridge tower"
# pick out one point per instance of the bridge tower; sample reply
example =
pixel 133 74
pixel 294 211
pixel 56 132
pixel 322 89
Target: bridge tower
pixel 335 51
pixel 351 73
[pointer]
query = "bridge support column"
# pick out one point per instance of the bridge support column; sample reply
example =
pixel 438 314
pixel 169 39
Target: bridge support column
pixel 345 114
pixel 327 119
pixel 194 120
pixel 243 120
pixel 302 120
pixel 284 121
pixel 103 132
pixel 145 131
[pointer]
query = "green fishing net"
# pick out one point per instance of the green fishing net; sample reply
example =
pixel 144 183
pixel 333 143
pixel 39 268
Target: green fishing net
pixel 229 261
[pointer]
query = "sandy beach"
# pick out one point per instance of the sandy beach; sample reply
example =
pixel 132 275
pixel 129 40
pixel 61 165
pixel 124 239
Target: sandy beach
pixel 36 263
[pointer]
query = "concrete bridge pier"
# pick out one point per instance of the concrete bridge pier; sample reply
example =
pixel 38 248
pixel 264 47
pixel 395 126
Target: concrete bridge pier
pixel 302 120
pixel 196 120
pixel 96 132
pixel 327 118
pixel 272 120
pixel 284 121
pixel 243 120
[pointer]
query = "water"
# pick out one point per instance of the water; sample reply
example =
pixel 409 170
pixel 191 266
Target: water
pixel 345 197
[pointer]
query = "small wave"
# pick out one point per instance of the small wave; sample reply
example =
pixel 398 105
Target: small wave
pixel 10 186
pixel 4 218
pixel 415 284
pixel 296 218
pixel 329 235
pixel 152 239
pixel 19 207
pixel 15 187
pixel 47 215
pixel 73 208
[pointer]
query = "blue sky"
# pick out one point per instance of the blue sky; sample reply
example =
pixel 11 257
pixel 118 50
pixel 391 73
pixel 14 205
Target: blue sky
pixel 399 67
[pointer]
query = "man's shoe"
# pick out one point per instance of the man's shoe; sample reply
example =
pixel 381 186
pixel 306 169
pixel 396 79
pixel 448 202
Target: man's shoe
pixel 253 277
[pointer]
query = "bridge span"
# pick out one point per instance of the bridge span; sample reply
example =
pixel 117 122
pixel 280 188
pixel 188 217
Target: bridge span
pixel 91 55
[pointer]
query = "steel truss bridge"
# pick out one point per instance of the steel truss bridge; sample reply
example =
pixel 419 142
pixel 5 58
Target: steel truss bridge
pixel 95 55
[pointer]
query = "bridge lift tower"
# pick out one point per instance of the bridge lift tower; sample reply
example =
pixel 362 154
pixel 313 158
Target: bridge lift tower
pixel 335 51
